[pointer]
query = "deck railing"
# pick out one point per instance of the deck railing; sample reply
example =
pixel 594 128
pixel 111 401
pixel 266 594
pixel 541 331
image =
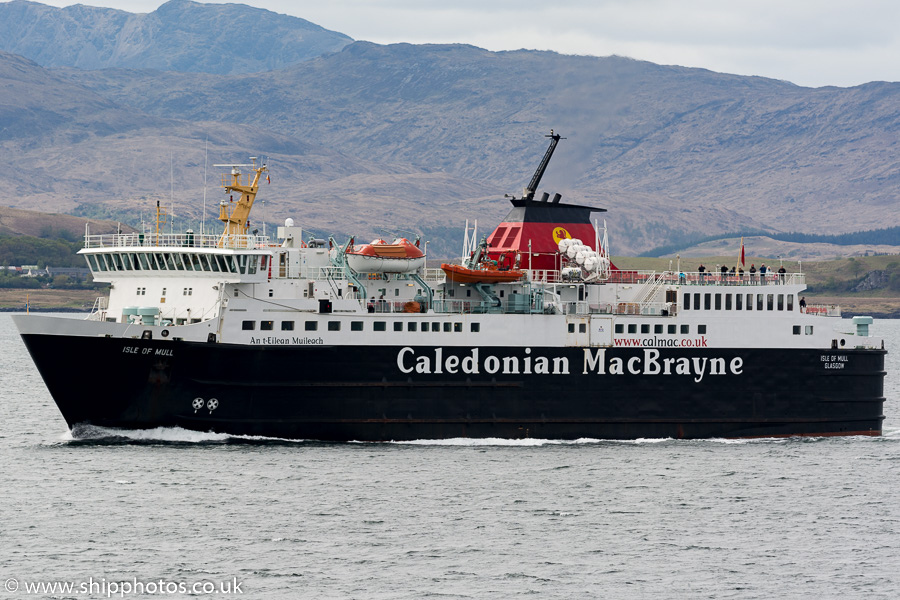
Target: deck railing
pixel 175 240
pixel 707 278
pixel 823 310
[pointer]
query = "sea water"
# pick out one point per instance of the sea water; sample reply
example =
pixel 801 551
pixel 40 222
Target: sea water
pixel 175 513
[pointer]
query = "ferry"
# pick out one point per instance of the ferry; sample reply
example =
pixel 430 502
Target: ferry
pixel 536 333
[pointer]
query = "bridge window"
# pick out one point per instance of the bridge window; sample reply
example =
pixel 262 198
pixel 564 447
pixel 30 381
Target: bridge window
pixel 718 301
pixel 738 301
pixel 780 301
pixel 770 301
pixel 727 301
pixel 687 302
pixel 697 301
pixel 707 301
pixel 790 302
pixel 749 301
pixel 759 301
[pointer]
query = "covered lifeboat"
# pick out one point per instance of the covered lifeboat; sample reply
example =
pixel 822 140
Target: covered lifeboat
pixel 400 256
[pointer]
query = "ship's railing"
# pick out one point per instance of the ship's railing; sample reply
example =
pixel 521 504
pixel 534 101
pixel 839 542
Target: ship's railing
pixel 621 308
pixel 544 275
pixel 98 311
pixel 708 278
pixel 320 273
pixel 823 310
pixel 519 306
pixel 434 275
pixel 175 240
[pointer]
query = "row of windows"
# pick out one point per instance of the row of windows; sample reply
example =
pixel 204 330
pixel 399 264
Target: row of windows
pixel 358 326
pixel 658 328
pixel 188 291
pixel 738 301
pixel 176 261
pixel 671 329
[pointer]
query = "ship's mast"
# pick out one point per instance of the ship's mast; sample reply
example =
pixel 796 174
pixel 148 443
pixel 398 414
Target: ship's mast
pixel 528 193
pixel 238 217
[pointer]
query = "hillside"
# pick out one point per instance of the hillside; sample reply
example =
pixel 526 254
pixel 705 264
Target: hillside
pixel 180 35
pixel 375 138
pixel 17 222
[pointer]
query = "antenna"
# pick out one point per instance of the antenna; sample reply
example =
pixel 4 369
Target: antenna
pixel 205 168
pixel 172 191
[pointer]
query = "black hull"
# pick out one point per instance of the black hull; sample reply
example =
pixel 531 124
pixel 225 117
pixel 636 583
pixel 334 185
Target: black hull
pixel 368 394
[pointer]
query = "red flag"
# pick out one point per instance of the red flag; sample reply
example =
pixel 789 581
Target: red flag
pixel 267 178
pixel 742 251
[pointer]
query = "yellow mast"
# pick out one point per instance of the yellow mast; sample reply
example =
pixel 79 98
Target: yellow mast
pixel 160 215
pixel 236 214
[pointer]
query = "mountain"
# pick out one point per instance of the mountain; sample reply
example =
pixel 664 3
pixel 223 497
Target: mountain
pixel 668 150
pixel 373 138
pixel 178 36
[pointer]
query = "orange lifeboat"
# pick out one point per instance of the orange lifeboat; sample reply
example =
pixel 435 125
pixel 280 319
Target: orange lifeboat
pixel 461 274
pixel 401 256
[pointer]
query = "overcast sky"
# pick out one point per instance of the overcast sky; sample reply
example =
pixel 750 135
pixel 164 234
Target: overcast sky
pixel 809 42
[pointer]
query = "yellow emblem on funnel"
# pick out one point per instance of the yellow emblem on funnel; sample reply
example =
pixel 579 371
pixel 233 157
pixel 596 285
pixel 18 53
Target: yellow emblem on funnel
pixel 560 234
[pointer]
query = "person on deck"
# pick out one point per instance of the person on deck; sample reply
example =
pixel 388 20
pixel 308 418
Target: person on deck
pixel 752 273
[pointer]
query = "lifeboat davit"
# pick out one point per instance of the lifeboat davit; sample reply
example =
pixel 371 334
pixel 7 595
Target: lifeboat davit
pixel 461 274
pixel 400 256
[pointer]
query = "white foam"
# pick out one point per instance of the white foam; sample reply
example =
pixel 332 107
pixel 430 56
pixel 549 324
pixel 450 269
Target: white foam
pixel 171 434
pixel 526 442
